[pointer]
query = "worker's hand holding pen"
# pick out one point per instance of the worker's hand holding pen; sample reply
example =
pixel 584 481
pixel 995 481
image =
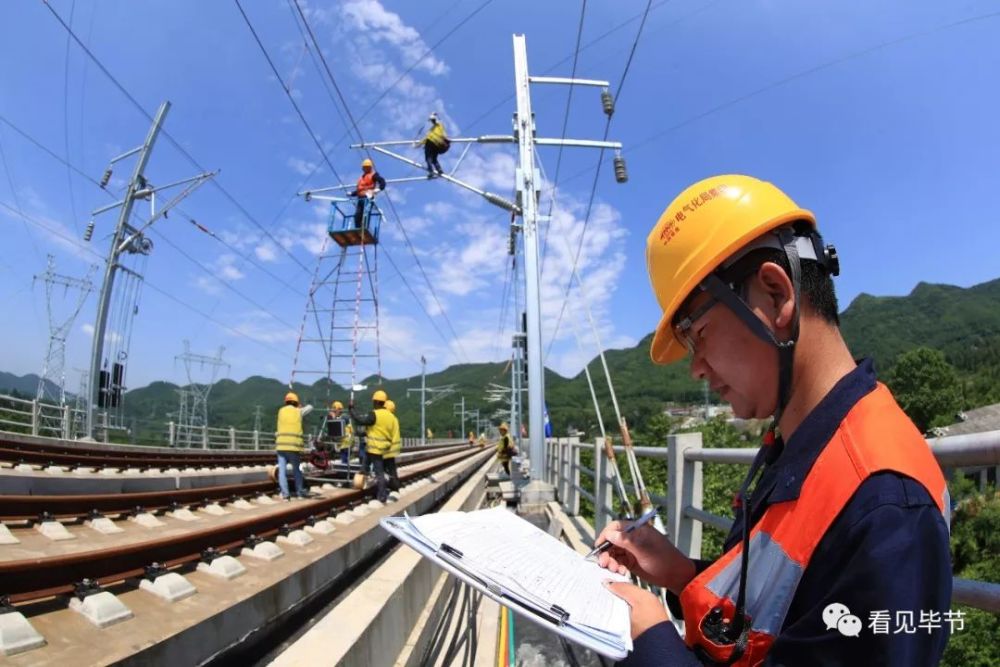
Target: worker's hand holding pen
pixel 649 555
pixel 646 553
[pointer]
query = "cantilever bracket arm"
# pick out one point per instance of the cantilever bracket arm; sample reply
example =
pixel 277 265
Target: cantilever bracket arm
pixel 492 198
pixel 568 81
pixel 192 185
pixel 483 139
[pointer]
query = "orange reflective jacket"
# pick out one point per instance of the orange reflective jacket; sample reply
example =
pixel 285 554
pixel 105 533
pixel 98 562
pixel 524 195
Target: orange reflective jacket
pixel 366 183
pixel 875 436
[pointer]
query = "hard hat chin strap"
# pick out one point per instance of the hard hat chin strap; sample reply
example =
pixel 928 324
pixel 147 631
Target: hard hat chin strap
pixel 727 294
pixel 738 631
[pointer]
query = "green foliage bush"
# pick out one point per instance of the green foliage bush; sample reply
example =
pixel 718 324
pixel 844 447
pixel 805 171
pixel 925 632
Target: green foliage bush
pixel 975 546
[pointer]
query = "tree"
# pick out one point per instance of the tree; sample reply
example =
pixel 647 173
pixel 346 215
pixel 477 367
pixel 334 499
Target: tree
pixel 975 546
pixel 927 387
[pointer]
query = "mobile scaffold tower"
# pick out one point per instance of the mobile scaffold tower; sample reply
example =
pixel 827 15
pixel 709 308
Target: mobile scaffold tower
pixel 339 336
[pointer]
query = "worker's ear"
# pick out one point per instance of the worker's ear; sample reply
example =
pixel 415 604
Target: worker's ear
pixel 773 295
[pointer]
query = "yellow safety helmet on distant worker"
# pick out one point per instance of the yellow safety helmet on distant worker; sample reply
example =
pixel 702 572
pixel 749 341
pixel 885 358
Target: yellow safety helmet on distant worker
pixel 700 229
pixel 291 397
pixel 337 405
pixel 380 395
pixel 390 406
pixel 504 427
pixel 367 163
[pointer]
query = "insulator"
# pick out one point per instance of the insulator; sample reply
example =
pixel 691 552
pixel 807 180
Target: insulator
pixel 608 102
pixel 106 177
pixel 89 231
pixel 497 200
pixel 309 196
pixel 495 139
pixel 621 172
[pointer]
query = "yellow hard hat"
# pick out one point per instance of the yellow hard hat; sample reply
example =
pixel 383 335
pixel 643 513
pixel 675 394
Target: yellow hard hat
pixel 503 426
pixel 390 406
pixel 367 163
pixel 380 396
pixel 291 397
pixel 698 231
pixel 337 405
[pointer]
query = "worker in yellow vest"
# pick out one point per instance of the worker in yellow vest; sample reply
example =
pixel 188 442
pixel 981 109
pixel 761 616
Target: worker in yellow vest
pixel 472 438
pixel 482 440
pixel 382 430
pixel 342 442
pixel 435 143
pixel 505 448
pixel 289 443
pixel 390 457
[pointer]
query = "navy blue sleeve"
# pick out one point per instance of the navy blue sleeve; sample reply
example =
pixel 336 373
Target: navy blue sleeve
pixel 658 646
pixel 367 419
pixel 887 552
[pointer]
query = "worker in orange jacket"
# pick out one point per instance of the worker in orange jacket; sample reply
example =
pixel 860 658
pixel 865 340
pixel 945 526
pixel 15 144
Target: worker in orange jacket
pixel 843 514
pixel 370 183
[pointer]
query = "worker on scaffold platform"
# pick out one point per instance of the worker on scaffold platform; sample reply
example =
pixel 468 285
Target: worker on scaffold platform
pixel 369 184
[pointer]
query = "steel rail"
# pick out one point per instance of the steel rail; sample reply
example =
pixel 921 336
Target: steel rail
pixel 36 578
pixel 44 453
pixel 31 507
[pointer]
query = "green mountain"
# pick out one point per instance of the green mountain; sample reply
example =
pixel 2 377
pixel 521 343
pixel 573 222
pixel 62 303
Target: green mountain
pixel 24 385
pixel 963 323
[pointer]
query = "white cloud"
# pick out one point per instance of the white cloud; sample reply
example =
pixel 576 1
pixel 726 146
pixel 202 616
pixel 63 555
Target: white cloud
pixel 223 269
pixel 87 329
pixel 266 252
pixel 371 20
pixel 475 262
pixel 489 169
pixel 262 327
pixel 300 166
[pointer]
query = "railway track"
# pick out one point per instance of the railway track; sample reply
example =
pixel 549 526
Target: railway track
pixel 76 456
pixel 36 578
pixel 34 507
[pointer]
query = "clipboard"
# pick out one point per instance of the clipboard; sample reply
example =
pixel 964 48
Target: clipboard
pixel 551 616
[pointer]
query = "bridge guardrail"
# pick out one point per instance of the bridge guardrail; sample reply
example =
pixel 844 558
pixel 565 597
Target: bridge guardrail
pixel 685 515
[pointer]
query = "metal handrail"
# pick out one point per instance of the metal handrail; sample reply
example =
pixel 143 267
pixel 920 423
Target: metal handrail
pixel 685 455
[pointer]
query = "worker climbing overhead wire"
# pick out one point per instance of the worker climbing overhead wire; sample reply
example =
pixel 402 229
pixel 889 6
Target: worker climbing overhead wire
pixel 435 143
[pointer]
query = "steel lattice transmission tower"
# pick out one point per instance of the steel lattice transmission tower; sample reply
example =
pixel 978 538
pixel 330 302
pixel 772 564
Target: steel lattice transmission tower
pixel 52 382
pixel 192 418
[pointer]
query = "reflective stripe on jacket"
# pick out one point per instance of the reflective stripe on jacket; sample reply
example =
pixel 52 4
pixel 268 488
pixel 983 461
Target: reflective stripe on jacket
pixel 436 135
pixel 382 433
pixel 397 443
pixel 289 434
pixel 875 436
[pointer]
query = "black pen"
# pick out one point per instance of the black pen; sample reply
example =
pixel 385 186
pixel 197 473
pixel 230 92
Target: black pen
pixel 641 521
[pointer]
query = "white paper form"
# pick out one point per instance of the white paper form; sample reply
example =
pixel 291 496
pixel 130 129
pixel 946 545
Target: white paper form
pixel 531 564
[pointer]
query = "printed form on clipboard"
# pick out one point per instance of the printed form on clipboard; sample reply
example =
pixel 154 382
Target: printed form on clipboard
pixel 525 569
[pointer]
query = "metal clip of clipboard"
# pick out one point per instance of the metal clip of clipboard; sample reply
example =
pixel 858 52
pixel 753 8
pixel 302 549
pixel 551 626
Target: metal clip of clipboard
pixel 554 614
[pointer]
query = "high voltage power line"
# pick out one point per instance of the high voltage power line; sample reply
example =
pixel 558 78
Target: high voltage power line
pixel 388 198
pixel 176 144
pixel 597 173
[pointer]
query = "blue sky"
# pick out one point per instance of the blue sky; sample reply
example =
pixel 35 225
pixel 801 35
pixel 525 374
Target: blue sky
pixel 878 116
